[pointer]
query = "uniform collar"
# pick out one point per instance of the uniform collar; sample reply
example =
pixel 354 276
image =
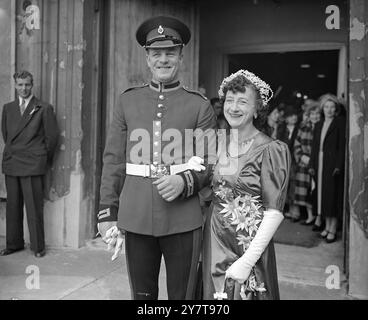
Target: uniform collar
pixel 162 87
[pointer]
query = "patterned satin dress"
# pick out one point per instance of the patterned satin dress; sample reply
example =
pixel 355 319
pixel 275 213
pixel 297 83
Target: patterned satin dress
pixel 261 173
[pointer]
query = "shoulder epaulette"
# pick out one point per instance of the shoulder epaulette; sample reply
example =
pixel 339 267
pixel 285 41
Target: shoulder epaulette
pixel 135 87
pixel 195 92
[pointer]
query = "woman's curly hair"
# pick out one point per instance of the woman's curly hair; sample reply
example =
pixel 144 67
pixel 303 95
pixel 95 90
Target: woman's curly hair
pixel 240 84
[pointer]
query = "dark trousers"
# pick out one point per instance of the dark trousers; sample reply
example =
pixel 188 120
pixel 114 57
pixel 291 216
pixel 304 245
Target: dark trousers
pixel 28 191
pixel 181 253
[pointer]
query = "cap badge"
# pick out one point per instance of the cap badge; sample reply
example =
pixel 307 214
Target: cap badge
pixel 160 30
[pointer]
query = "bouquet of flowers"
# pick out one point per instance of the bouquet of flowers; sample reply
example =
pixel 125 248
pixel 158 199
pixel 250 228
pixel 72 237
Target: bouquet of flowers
pixel 243 212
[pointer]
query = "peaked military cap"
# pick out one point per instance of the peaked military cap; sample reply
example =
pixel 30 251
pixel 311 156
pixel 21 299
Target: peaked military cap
pixel 162 32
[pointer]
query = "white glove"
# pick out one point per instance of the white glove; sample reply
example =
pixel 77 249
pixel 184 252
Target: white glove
pixel 103 227
pixel 118 246
pixel 195 163
pixel 242 267
pixel 114 240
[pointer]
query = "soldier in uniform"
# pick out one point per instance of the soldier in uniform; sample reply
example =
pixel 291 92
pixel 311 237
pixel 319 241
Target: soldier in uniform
pixel 146 189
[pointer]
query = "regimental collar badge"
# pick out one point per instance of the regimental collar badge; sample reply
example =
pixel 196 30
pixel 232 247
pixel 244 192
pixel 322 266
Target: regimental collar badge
pixel 160 30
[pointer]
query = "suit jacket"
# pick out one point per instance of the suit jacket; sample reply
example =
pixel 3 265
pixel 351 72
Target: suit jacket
pixel 154 115
pixel 30 139
pixel 283 135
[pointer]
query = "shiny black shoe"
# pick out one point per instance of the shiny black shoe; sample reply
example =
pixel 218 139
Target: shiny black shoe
pixel 330 240
pixel 6 252
pixel 305 223
pixel 40 254
pixel 324 236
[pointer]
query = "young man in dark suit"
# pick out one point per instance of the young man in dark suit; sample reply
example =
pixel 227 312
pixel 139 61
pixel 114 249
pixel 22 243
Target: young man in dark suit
pixel 30 133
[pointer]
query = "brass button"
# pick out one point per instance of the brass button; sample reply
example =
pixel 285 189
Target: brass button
pixel 156 143
pixel 159 114
pixel 155 154
pixel 157 133
pixel 157 123
pixel 161 97
pixel 160 105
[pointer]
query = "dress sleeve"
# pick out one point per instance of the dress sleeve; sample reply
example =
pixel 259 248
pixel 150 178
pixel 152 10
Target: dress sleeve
pixel 275 175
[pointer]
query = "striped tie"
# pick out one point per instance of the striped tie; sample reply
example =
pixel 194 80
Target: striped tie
pixel 22 106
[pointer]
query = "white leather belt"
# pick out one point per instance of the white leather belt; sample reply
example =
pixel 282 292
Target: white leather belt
pixel 154 171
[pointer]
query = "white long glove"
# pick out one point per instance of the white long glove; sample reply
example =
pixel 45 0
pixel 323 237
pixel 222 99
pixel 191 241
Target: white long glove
pixel 242 267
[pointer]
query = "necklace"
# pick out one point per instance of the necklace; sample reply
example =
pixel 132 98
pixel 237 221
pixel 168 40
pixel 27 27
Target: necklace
pixel 243 147
pixel 245 141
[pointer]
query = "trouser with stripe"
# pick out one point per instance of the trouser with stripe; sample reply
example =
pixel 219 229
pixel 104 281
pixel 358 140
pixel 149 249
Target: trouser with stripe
pixel 181 253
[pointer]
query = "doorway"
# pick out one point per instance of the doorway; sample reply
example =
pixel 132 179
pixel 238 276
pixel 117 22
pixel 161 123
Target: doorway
pixel 308 73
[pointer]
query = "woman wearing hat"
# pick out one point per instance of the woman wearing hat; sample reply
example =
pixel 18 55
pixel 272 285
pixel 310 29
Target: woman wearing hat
pixel 327 166
pixel 249 190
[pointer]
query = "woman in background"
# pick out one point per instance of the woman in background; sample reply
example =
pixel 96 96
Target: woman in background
pixel 302 154
pixel 327 165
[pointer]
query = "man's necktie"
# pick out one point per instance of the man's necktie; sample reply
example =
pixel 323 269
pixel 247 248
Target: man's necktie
pixel 22 106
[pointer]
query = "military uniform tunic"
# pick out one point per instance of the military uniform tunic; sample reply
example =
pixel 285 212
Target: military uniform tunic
pixel 148 124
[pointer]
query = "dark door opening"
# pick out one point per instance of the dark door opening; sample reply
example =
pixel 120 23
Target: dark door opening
pixel 310 73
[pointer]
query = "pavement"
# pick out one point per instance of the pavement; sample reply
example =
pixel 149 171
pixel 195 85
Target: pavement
pixel 89 274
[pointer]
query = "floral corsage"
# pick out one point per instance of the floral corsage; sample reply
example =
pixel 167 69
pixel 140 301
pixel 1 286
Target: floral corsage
pixel 34 110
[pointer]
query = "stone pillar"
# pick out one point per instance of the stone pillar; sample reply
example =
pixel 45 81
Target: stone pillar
pixel 358 150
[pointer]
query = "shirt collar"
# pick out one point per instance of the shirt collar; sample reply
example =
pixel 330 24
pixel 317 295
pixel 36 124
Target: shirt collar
pixel 162 87
pixel 27 100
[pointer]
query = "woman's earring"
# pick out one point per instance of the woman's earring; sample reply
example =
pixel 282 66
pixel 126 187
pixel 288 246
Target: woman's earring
pixel 255 116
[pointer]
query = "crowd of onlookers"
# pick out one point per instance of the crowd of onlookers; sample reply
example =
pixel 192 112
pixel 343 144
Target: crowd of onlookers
pixel 314 131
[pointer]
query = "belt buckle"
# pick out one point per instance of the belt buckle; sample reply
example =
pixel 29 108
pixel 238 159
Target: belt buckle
pixel 158 171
